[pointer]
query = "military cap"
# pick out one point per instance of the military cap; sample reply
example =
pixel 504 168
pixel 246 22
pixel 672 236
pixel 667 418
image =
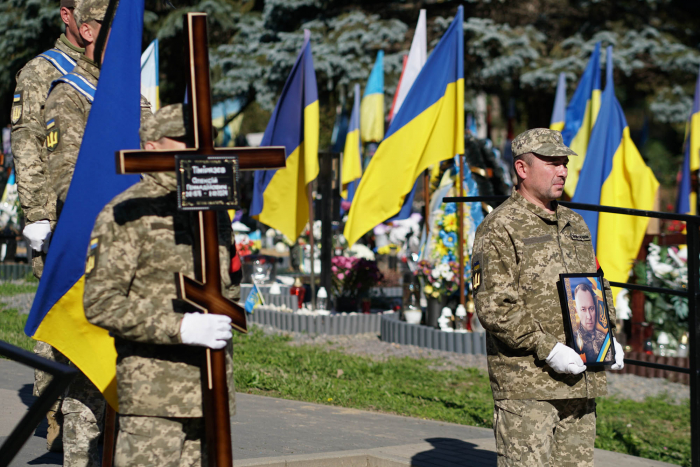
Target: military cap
pixel 67 3
pixel 541 141
pixel 168 122
pixel 90 10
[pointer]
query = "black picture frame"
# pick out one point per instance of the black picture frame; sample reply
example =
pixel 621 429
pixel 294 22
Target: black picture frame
pixel 587 323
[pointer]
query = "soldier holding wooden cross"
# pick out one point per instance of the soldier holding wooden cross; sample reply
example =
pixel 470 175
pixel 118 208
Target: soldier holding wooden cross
pixel 139 243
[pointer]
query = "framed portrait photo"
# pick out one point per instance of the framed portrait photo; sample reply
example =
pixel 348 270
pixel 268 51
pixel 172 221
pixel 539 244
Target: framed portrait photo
pixel 586 318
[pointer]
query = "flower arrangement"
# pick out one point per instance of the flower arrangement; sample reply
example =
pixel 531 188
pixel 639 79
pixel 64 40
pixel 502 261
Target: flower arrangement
pixel 440 280
pixel 245 245
pixel 666 266
pixel 353 277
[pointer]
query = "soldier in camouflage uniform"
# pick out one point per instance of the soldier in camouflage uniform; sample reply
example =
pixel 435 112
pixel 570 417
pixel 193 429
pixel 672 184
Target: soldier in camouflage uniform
pixel 544 398
pixel 35 195
pixel 67 108
pixel 139 242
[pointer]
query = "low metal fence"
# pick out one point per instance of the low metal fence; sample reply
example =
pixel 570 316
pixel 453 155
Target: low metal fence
pixel 62 376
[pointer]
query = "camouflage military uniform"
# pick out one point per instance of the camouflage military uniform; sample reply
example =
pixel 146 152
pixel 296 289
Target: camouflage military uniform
pixel 35 195
pixel 592 343
pixel 28 134
pixel 519 251
pixel 140 240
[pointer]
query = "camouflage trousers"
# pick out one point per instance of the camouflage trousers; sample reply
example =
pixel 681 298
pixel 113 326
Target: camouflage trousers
pixel 41 381
pixel 83 411
pixel 551 433
pixel 165 442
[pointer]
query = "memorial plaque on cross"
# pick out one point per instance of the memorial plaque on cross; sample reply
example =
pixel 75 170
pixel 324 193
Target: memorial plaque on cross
pixel 204 291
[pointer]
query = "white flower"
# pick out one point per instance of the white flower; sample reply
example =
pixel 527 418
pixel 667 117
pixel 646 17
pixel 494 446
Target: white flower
pixel 435 273
pixel 449 276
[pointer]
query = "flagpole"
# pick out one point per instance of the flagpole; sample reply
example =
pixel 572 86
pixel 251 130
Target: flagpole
pixel 426 195
pixel 460 230
pixel 311 243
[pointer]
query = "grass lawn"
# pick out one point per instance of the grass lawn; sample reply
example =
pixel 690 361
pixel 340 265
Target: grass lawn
pixel 12 329
pixel 268 365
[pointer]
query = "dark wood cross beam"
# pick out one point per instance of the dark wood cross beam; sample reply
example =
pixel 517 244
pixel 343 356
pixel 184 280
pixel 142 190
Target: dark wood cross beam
pixel 204 292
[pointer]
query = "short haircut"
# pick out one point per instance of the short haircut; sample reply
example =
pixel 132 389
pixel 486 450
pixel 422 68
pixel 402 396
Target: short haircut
pixel 583 286
pixel 528 158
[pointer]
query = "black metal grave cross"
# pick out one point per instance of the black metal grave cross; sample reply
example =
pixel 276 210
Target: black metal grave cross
pixel 205 292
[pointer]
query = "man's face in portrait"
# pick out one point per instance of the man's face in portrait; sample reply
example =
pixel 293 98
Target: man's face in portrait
pixel 585 307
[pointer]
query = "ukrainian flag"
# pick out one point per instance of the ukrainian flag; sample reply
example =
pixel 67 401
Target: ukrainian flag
pixel 428 128
pixel 372 108
pixel 581 114
pixel 280 198
pixel 557 121
pixel 615 175
pixel 254 299
pixel 352 156
pixel 149 75
pixel 687 201
pixel 57 315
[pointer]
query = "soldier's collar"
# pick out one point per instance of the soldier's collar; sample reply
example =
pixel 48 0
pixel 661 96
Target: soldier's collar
pixel 90 66
pixel 165 179
pixel 64 40
pixel 541 212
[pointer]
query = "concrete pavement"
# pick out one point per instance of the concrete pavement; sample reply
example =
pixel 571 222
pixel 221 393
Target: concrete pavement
pixel 281 433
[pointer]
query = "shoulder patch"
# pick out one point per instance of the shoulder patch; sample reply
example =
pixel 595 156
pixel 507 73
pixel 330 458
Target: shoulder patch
pixel 53 134
pixel 17 105
pixel 477 272
pixel 92 255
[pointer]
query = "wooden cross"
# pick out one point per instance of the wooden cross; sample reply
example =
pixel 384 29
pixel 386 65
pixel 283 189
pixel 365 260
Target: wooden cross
pixel 205 292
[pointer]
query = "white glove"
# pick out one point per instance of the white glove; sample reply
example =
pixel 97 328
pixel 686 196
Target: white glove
pixel 47 242
pixel 205 330
pixel 37 233
pixel 619 356
pixel 563 359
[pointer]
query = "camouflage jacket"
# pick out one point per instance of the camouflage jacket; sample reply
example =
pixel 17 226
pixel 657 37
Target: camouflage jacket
pixel 139 242
pixel 28 134
pixel 519 251
pixel 66 115
pixel 591 343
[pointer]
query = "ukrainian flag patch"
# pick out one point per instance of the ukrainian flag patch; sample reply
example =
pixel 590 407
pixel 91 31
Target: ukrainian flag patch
pixel 16 108
pixel 93 253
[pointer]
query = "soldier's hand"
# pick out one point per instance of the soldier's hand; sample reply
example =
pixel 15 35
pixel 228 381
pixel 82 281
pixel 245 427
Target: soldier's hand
pixel 37 233
pixel 619 356
pixel 205 330
pixel 563 359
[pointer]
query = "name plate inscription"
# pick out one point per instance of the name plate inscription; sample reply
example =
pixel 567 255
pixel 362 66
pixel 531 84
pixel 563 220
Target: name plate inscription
pixel 207 182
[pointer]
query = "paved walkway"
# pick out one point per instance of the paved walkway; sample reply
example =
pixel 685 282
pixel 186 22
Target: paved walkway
pixel 282 433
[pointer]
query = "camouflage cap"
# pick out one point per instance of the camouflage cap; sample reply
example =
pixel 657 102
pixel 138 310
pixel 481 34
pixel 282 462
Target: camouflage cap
pixel 541 141
pixel 168 122
pixel 67 3
pixel 90 10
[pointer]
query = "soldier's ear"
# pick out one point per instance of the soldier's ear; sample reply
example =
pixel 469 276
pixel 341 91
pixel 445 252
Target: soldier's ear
pixel 521 167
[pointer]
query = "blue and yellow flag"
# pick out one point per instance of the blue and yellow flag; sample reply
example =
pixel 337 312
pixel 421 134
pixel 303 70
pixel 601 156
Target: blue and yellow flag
pixel 615 174
pixel 559 111
pixel 428 128
pixel 687 201
pixel 280 198
pixel 254 299
pixel 372 108
pixel 352 156
pixel 150 77
pixel 57 315
pixel 581 114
